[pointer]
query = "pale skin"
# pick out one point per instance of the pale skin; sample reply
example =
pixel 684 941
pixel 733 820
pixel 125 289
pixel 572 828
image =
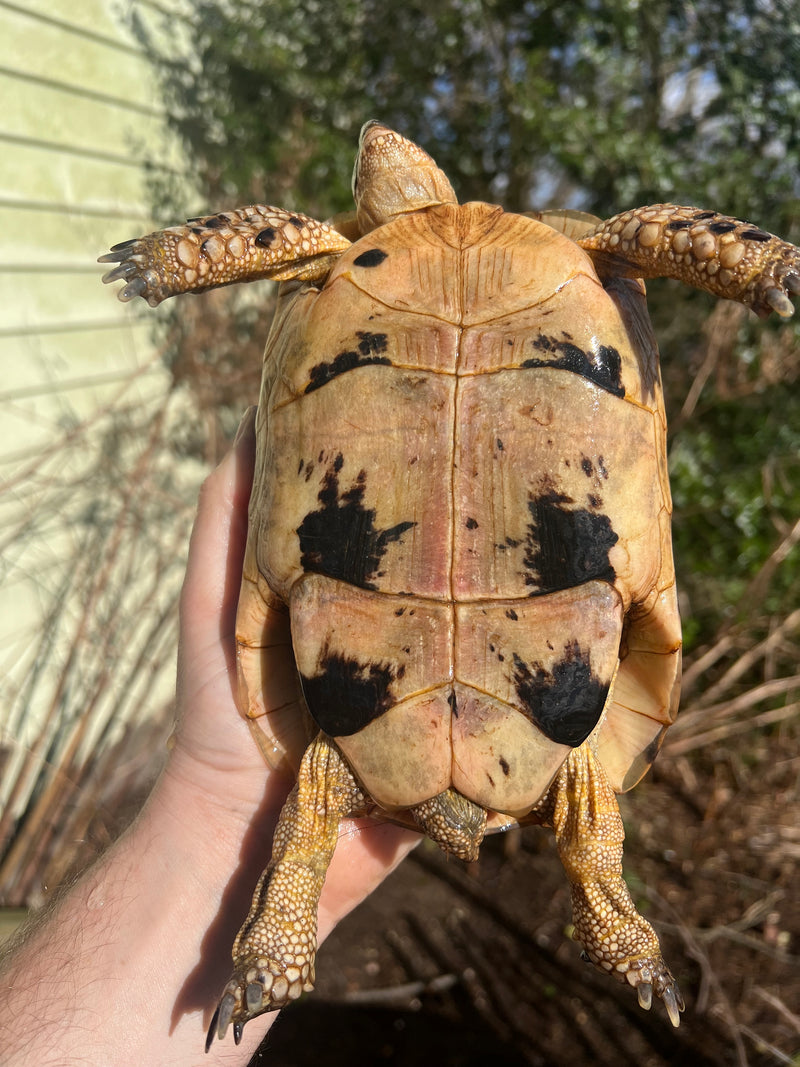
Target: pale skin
pixel 127 966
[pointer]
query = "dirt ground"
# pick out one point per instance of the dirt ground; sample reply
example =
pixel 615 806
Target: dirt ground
pixel 457 966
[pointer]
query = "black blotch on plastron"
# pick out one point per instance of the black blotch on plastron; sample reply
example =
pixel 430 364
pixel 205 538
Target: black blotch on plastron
pixel 367 352
pixel 565 702
pixel 373 257
pixel 566 546
pixel 510 542
pixel 453 702
pixel 504 767
pixel 471 524
pixel 340 539
pixel 511 614
pixel 603 365
pixel 346 695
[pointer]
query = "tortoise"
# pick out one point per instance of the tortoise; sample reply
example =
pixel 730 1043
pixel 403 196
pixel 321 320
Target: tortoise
pixel 461 500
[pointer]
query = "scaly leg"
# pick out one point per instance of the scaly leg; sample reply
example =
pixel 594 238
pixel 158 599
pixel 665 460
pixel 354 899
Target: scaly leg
pixel 234 246
pixel 582 809
pixel 275 949
pixel 724 256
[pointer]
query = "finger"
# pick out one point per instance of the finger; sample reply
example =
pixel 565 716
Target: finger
pixel 366 852
pixel 213 574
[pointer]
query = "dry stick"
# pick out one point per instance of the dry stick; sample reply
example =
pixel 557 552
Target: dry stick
pixel 762 1045
pixel 695 670
pixel 698 740
pixel 398 996
pixel 33 819
pixel 85 771
pixel 87 781
pixel 752 656
pixel 441 951
pixel 754 593
pixel 23 783
pixel 57 448
pixel 708 974
pixel 764 691
pixel 721 329
pixel 787 1015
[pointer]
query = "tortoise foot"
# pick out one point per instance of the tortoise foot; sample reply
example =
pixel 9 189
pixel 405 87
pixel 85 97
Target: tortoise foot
pixel 135 268
pixel 646 976
pixel 259 986
pixel 650 976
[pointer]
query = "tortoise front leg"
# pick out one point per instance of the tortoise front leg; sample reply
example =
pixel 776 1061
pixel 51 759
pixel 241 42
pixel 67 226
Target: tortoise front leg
pixel 233 246
pixel 724 256
pixel 582 809
pixel 274 951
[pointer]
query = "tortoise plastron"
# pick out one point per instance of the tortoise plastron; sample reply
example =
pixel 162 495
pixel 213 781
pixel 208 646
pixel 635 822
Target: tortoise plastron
pixel 459 569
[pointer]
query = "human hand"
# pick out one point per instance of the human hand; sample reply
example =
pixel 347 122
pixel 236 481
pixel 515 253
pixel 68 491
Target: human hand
pixel 129 965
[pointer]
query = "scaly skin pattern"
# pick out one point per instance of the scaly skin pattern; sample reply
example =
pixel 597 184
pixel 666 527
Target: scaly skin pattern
pixel 233 246
pixel 582 809
pixel 275 949
pixel 723 255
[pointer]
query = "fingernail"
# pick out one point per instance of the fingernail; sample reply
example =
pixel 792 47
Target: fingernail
pixel 246 425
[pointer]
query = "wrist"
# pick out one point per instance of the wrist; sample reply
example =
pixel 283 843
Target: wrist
pixel 130 966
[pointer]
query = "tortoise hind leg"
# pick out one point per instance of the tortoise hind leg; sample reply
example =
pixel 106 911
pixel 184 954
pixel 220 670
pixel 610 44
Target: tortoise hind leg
pixel 582 809
pixel 275 949
pixel 725 256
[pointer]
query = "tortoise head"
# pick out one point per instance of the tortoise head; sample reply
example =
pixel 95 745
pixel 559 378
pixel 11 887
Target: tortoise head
pixel 394 176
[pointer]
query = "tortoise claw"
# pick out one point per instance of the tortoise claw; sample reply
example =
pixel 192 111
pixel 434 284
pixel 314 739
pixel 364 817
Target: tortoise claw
pixel 649 976
pixel 259 986
pixel 780 276
pixel 673 1002
pixel 779 301
pixel 645 995
pixel 221 1019
pixel 140 266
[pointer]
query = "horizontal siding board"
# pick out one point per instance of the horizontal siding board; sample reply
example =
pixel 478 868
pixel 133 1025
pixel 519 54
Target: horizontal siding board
pixel 35 170
pixel 48 299
pixel 39 50
pixel 53 236
pixel 41 111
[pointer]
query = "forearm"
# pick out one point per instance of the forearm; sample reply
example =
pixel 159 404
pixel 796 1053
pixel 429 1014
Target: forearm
pixel 129 966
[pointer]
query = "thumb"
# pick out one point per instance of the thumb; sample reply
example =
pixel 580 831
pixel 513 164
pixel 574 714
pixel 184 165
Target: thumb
pixel 214 569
